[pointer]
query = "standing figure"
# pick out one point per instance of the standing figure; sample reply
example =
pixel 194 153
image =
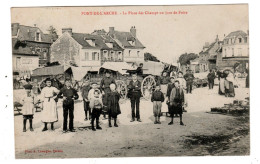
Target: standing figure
pixel 113 105
pixel 49 111
pixel 169 90
pixel 181 80
pixel 157 99
pixel 229 85
pixel 104 85
pixel 176 102
pixel 211 77
pixel 247 78
pixel 28 102
pixel 189 77
pixel 68 94
pixel 84 91
pixel 96 107
pixel 164 80
pixel 135 95
pixel 221 77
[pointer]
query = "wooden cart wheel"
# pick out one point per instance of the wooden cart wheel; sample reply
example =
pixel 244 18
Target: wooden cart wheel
pixel 121 88
pixel 148 86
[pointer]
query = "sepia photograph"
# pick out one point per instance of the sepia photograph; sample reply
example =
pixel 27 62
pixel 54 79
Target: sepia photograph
pixel 131 81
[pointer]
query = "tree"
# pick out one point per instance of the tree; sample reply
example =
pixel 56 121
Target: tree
pixel 53 33
pixel 185 59
pixel 150 57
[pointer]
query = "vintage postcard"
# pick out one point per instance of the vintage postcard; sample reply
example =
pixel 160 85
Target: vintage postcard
pixel 131 81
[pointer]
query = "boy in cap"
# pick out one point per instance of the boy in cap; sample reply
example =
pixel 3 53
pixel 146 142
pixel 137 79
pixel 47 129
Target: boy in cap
pixel 68 94
pixel 135 95
pixel 157 99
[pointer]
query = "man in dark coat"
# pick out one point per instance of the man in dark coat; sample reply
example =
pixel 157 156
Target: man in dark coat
pixel 69 95
pixel 105 87
pixel 135 95
pixel 211 77
pixel 189 77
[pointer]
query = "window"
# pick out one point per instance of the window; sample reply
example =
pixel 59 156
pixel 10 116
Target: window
pixel 93 55
pixel 232 51
pixel 245 40
pixel 239 40
pixel 120 57
pixel 225 52
pixel 85 56
pixel 37 37
pixel 112 55
pixel 138 53
pixel 129 53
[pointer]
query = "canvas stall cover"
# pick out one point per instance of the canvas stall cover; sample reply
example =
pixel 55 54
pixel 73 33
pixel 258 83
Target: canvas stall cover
pixel 121 67
pixel 152 68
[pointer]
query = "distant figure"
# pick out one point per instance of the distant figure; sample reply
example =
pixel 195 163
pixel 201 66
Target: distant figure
pixel 229 84
pixel 113 105
pixel 211 77
pixel 163 82
pixel 139 69
pixel 157 99
pixel 247 78
pixel 221 77
pixel 189 77
pixel 176 102
pixel 28 83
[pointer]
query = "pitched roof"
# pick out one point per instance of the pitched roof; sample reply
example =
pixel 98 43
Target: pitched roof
pixel 28 33
pixel 125 37
pixel 20 48
pixel 236 34
pixel 99 40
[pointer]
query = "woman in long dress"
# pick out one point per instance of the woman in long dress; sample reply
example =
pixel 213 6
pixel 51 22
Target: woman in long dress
pixel 49 112
pixel 221 78
pixel 229 85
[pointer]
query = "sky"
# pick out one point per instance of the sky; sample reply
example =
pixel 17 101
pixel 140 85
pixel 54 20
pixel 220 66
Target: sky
pixel 166 36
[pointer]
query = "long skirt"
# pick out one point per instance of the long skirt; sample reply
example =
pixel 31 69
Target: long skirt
pixel 49 112
pixel 221 86
pixel 176 108
pixel 229 89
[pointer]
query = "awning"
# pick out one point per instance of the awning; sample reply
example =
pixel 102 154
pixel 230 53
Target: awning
pixel 153 68
pixel 53 70
pixel 80 72
pixel 120 67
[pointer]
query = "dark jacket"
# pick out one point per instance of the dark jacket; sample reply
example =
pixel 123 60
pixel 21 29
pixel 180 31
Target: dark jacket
pixel 169 89
pixel 105 83
pixel 157 96
pixel 70 94
pixel 211 76
pixel 189 77
pixel 84 91
pixel 134 88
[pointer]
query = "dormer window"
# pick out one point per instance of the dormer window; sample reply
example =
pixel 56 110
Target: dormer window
pixel 239 40
pixel 110 45
pixel 37 36
pixel 132 42
pixel 90 42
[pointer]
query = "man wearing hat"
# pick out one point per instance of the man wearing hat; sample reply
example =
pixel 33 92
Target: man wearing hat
pixel 189 77
pixel 105 87
pixel 135 94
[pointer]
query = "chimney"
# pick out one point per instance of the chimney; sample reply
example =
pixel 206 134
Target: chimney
pixel 111 30
pixel 15 26
pixel 133 31
pixel 217 38
pixel 69 30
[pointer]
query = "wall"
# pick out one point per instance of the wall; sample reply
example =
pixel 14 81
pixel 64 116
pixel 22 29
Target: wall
pixel 65 49
pixel 26 62
pixel 133 57
pixel 89 62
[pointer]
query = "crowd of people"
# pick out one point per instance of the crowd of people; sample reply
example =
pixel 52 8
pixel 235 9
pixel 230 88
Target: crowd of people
pixel 104 99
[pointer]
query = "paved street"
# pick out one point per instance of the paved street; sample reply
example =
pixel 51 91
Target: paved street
pixel 129 139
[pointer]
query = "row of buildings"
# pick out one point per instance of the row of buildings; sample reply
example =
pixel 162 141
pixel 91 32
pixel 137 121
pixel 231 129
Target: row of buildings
pixel 230 53
pixel 33 49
